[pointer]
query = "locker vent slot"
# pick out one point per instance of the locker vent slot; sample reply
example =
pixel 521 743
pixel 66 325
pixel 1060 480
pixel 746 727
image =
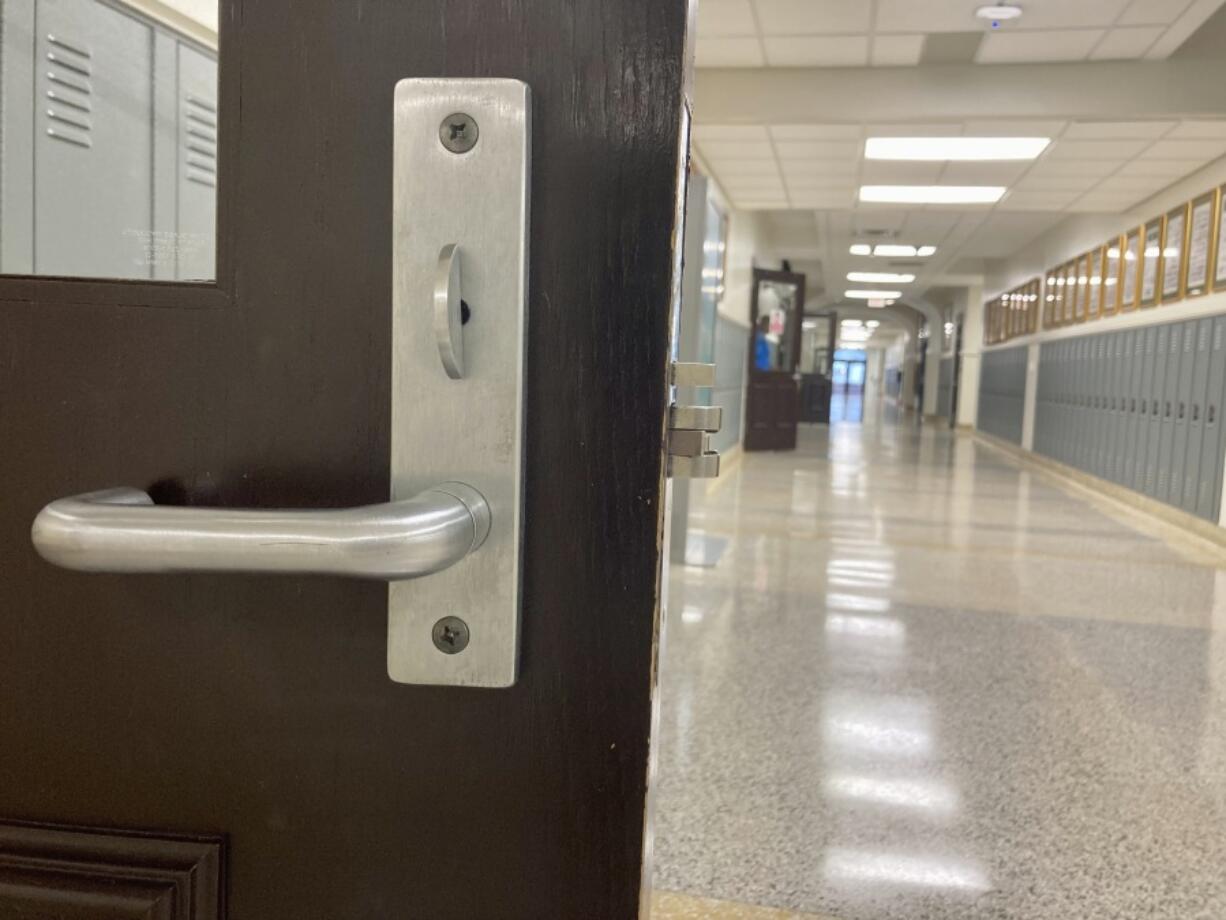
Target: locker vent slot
pixel 200 141
pixel 68 91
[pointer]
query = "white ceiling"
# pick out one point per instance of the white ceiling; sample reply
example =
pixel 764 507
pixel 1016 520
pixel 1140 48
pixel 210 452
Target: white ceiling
pixel 857 33
pixel 1089 167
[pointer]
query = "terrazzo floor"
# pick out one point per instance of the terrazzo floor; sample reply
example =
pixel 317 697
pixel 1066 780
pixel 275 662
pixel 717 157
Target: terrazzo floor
pixel 924 682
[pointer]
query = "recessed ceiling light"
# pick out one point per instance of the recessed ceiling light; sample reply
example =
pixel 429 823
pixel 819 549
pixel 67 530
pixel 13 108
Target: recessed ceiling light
pixel 872 324
pixel 879 278
pixel 892 251
pixel 954 148
pixel 861 249
pixel 925 251
pixel 932 194
pixel 872 295
pixel 998 13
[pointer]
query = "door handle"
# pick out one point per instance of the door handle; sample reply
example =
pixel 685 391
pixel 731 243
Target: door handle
pixel 122 530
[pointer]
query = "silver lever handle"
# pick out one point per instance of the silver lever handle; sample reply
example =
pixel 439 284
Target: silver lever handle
pixel 121 530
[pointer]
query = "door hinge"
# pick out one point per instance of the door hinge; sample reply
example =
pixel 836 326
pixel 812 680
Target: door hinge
pixel 690 427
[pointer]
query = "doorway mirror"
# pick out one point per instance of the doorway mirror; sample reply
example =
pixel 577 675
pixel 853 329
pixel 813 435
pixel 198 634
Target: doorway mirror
pixel 109 135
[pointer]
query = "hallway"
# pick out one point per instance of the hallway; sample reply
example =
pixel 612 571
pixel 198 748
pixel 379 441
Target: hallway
pixel 924 682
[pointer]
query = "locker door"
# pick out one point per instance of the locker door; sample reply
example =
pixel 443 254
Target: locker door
pixel 1144 398
pixel 1123 375
pixel 93 142
pixel 1136 366
pixel 1183 414
pixel 1157 409
pixel 1085 381
pixel 1214 451
pixel 1093 428
pixel 1196 415
pixel 197 172
pixel 1170 399
pixel 1041 416
pixel 1106 402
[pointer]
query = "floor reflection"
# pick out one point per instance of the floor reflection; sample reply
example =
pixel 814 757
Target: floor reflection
pixel 923 683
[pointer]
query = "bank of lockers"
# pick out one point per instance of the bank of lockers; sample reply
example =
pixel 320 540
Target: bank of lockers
pixel 1002 393
pixel 1141 408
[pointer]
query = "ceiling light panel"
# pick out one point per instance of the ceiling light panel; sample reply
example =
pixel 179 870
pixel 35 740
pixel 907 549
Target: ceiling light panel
pixel 879 278
pixel 932 194
pixel 954 148
pixel 872 295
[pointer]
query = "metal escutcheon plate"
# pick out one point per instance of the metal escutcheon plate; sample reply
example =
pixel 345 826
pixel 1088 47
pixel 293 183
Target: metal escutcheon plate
pixel 471 428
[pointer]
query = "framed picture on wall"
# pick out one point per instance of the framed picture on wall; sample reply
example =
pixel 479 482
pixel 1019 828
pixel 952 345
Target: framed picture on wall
pixel 1113 261
pixel 1094 271
pixel 1219 258
pixel 1151 262
pixel 1130 270
pixel 1034 291
pixel 1202 225
pixel 1174 248
pixel 1081 309
pixel 1049 301
pixel 1070 292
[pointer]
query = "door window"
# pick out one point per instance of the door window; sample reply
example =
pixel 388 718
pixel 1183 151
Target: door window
pixel 778 302
pixel 110 134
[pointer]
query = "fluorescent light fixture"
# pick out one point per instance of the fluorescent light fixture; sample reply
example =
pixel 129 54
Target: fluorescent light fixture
pixel 997 12
pixel 872 324
pixel 954 148
pixel 851 322
pixel 892 251
pixel 932 194
pixel 879 278
pixel 872 295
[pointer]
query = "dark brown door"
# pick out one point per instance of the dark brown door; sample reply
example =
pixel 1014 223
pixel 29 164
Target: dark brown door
pixel 211 745
pixel 773 399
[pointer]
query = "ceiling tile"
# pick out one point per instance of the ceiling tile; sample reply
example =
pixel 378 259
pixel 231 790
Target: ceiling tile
pixel 1126 185
pixel 1004 173
pixel 703 133
pixel 1171 169
pixel 796 150
pixel 1037 201
pixel 745 167
pixel 720 18
pixel 1126 44
pixel 828 199
pixel 1104 130
pixel 815 132
pixel 1181 149
pixel 929 16
pixel 738 150
pixel 1038 47
pixel 820 181
pixel 728 52
pixel 1094 150
pixel 813 17
pixel 1198 130
pixel 1153 12
pixel 896 50
pixel 1041 183
pixel 889 172
pixel 817 51
pixel 951 129
pixel 752 203
pixel 816 167
pixel 1106 204
pixel 1067 14
pixel 1022 127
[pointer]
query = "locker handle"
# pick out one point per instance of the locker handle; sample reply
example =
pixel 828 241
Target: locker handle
pixel 1167 413
pixel 1181 412
pixel 1195 412
pixel 1210 414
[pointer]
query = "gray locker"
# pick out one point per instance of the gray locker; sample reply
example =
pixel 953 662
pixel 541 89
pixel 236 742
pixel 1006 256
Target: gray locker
pixel 1157 409
pixel 1196 415
pixel 1170 400
pixel 1213 453
pixel 197 173
pixel 1133 450
pixel 1122 447
pixel 1183 413
pixel 1140 473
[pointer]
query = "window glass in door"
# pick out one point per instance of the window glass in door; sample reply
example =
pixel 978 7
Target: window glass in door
pixel 776 327
pixel 108 166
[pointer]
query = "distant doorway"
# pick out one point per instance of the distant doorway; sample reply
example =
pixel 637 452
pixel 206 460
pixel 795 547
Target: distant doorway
pixel 848 375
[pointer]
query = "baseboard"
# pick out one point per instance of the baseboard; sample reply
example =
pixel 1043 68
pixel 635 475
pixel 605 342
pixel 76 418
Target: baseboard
pixel 1129 500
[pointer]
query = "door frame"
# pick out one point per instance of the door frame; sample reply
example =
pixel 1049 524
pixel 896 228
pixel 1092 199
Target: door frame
pixel 753 375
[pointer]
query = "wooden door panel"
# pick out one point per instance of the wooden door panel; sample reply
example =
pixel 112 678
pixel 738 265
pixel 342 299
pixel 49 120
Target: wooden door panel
pixel 258 709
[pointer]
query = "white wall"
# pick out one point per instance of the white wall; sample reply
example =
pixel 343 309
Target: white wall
pixel 748 245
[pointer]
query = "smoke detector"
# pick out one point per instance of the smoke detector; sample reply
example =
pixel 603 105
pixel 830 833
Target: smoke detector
pixel 997 14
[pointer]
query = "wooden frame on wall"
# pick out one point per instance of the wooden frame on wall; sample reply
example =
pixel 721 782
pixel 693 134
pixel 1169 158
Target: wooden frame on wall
pixel 1149 282
pixel 1203 229
pixel 1130 268
pixel 1069 271
pixel 1112 273
pixel 1219 251
pixel 1174 252
pixel 1081 277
